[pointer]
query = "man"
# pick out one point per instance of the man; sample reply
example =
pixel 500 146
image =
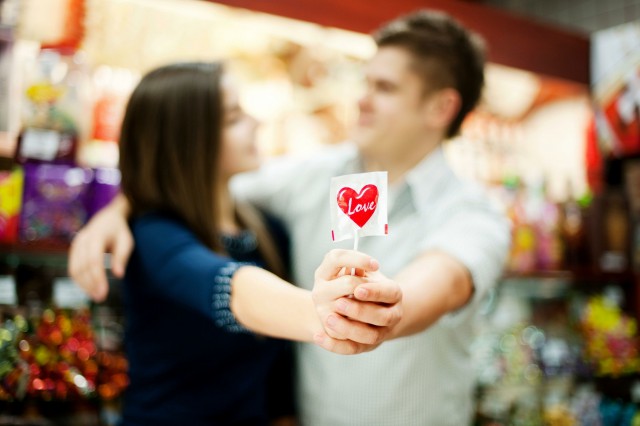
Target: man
pixel 446 246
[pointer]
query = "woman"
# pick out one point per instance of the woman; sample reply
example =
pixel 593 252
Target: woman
pixel 192 357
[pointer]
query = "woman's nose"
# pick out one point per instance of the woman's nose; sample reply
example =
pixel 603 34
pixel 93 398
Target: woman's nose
pixel 364 103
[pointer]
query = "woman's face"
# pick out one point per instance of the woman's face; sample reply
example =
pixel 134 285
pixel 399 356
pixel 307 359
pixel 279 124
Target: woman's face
pixel 239 153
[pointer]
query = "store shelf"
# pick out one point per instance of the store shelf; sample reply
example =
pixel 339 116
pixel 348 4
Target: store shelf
pixel 576 275
pixel 39 254
pixel 538 285
pixel 54 256
pixel 559 284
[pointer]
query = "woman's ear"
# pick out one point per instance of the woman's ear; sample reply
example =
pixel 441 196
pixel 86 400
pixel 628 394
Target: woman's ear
pixel 442 107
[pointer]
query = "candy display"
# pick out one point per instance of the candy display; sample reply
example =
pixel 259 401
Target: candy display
pixel 54 356
pixel 48 203
pixel 14 371
pixel 55 108
pixel 611 338
pixel 10 203
pixel 54 202
pixel 546 235
pixel 104 186
pixel 568 360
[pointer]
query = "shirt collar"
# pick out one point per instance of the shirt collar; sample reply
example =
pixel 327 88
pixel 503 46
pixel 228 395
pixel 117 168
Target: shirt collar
pixel 428 177
pixel 352 161
pixel 422 181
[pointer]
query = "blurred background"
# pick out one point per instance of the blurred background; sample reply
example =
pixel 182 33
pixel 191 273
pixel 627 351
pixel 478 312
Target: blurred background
pixel 555 142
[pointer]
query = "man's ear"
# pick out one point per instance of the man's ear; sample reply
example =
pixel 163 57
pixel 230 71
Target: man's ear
pixel 442 107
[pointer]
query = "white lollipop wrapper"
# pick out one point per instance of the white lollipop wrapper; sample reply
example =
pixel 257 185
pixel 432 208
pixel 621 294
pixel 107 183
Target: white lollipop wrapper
pixel 358 206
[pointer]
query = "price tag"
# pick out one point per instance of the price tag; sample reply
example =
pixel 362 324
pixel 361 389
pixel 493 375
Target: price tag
pixel 66 294
pixel 8 290
pixel 40 144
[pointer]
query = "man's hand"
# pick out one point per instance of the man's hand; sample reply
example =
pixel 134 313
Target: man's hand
pixel 106 232
pixel 357 311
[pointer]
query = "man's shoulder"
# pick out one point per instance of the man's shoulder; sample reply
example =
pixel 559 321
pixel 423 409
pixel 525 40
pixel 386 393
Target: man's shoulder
pixel 330 157
pixel 461 195
pixel 293 171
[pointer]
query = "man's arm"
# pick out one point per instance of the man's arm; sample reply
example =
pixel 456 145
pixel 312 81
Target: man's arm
pixel 106 232
pixel 433 285
pixel 456 268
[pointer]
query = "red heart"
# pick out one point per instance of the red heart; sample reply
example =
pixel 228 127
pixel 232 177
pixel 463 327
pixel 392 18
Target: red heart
pixel 359 207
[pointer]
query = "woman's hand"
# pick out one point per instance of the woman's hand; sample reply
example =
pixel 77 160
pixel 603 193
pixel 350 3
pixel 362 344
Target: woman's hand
pixel 357 311
pixel 106 232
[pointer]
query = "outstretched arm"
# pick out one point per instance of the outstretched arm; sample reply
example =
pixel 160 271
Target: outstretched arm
pixel 268 305
pixel 106 232
pixel 456 268
pixel 433 285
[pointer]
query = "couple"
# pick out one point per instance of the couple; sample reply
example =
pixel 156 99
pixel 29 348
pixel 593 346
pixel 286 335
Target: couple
pixel 193 287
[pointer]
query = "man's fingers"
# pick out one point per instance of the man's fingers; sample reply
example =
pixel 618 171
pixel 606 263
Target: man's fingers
pixel 96 276
pixel 336 288
pixel 369 313
pixel 339 327
pixel 358 272
pixel 76 255
pixel 343 347
pixel 337 259
pixel 86 267
pixel 386 291
pixel 122 249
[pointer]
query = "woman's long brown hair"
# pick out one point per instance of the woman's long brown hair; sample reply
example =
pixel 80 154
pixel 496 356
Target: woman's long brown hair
pixel 170 146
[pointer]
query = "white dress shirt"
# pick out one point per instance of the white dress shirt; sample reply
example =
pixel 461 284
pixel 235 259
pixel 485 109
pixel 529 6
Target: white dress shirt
pixel 423 379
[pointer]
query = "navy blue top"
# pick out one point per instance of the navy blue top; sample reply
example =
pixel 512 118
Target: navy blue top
pixel 188 365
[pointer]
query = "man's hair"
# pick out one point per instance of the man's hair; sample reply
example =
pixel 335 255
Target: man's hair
pixel 446 55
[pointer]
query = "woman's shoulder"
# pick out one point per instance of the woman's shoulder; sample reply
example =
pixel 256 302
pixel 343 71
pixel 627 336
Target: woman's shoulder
pixel 159 225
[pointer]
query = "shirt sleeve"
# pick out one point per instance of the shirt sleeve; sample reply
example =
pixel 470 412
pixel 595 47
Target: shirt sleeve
pixel 270 188
pixel 180 268
pixel 478 236
pixel 289 180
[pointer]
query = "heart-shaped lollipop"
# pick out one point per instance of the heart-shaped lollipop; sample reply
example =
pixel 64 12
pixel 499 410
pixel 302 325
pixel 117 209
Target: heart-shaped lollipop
pixel 358 206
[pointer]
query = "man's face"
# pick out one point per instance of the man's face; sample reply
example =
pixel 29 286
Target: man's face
pixel 393 111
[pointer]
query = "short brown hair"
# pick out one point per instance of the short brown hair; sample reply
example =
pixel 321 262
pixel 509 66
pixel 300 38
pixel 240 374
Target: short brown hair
pixel 446 54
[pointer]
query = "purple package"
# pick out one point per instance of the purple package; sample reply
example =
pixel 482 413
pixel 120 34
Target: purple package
pixel 54 202
pixel 105 186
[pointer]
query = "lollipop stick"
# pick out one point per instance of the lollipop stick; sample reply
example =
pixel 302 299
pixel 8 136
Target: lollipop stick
pixel 355 247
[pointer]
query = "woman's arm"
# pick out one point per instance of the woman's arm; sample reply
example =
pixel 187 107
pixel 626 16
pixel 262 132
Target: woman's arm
pixel 172 264
pixel 269 305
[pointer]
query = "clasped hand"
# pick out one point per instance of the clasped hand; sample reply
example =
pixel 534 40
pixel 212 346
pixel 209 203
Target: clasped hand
pixel 358 312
